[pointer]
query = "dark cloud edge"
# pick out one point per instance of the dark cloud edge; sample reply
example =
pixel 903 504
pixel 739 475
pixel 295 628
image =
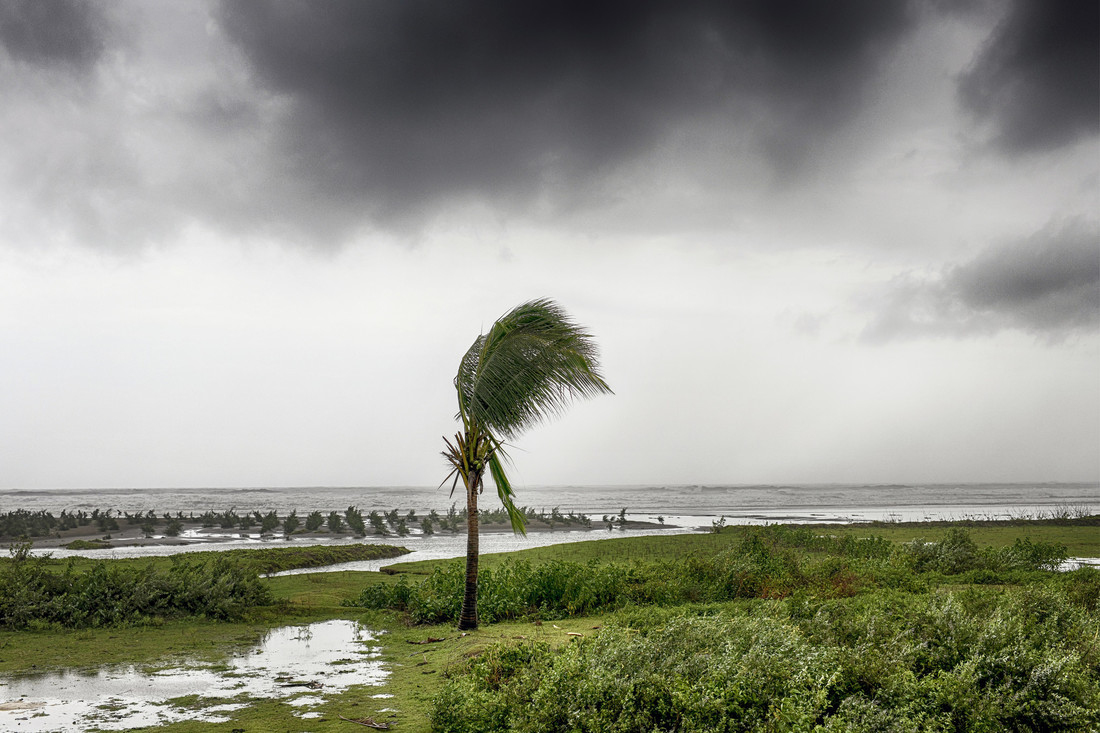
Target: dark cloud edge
pixel 1046 285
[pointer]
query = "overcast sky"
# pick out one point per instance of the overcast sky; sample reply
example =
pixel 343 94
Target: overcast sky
pixel 245 243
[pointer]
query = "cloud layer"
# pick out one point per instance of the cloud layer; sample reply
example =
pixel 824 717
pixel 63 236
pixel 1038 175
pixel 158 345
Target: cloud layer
pixel 61 33
pixel 1047 284
pixel 396 107
pixel 1037 77
pixel 310 121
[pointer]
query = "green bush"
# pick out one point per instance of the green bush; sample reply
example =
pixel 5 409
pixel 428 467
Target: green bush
pixel 981 659
pixel 32 594
pixel 772 562
pixel 957 553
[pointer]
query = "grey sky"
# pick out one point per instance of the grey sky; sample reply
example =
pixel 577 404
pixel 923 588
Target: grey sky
pixel 245 243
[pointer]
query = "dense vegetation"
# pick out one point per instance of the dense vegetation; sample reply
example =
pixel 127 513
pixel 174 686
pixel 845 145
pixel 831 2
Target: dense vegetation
pixel 34 594
pixel 768 562
pixel 786 629
pixel 38 591
pixel 982 659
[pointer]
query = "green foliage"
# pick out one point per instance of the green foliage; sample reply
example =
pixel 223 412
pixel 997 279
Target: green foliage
pixel 110 594
pixel 354 519
pixel 533 362
pixel 291 523
pixel 275 559
pixel 957 553
pixel 772 562
pixel 974 660
pixel 314 520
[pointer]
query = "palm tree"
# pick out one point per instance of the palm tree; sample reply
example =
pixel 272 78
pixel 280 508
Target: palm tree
pixel 529 367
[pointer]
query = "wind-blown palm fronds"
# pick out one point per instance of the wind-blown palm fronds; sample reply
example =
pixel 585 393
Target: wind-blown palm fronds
pixel 530 366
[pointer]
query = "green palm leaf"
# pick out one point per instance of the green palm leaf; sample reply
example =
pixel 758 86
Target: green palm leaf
pixel 530 366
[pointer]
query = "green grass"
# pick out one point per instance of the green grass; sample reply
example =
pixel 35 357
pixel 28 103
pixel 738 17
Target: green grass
pixel 1081 540
pixel 262 560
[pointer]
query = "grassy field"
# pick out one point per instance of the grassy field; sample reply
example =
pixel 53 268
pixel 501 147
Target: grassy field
pixel 1080 540
pixel 811 591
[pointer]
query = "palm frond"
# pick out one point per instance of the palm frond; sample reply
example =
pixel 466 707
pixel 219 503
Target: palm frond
pixel 507 496
pixel 530 366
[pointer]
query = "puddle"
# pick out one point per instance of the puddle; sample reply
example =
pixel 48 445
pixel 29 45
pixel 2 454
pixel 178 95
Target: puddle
pixel 288 663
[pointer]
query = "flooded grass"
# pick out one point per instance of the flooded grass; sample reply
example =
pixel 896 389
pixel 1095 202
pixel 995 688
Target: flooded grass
pixel 300 665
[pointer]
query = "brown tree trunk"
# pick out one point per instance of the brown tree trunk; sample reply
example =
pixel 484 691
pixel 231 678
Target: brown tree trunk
pixel 468 620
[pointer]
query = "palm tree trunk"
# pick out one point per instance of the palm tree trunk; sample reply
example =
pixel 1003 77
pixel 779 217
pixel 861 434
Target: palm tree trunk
pixel 468 620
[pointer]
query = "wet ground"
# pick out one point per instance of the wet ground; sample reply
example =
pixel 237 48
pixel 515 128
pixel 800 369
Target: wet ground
pixel 302 664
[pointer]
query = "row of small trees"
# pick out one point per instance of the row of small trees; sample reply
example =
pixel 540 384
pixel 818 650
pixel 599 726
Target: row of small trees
pixel 21 524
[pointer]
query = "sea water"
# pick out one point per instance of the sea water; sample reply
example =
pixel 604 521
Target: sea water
pixel 738 503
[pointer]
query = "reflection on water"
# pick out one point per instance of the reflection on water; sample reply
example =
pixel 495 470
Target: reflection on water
pixel 301 663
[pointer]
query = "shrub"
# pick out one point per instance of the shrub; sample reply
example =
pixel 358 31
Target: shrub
pixel 975 660
pixel 109 594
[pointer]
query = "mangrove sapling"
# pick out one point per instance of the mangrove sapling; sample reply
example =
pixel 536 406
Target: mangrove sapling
pixel 335 523
pixel 377 523
pixel 314 520
pixel 291 523
pixel 269 523
pixel 354 519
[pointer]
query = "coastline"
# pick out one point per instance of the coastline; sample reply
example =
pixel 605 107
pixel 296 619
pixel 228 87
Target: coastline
pixel 194 536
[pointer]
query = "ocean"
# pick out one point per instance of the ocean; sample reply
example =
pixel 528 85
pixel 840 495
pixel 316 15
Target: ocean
pixel 738 503
pixel 684 509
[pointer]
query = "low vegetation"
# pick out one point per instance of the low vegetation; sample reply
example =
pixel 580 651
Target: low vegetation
pixel 974 660
pixel 34 595
pixel 767 562
pixel 784 628
pixel 40 592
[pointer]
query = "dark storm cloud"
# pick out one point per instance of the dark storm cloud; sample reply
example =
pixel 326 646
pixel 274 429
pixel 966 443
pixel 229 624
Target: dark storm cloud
pixel 405 103
pixel 1037 80
pixel 67 33
pixel 1047 284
